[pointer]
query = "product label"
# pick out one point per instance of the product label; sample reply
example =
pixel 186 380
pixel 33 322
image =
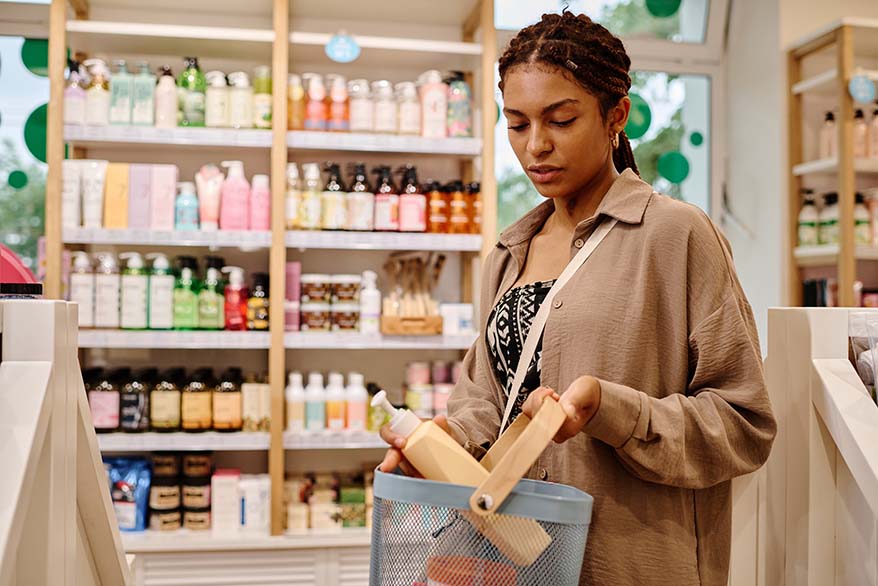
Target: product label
pixel 126 515
pixel 196 410
pixel 262 110
pixel 210 310
pixel 185 309
pixel 808 234
pixel 361 211
pixel 251 405
pixel 134 411
pixel 387 212
pixel 257 314
pixel 97 106
pixel 134 301
pixel 227 411
pixel 862 232
pixel 409 118
pixel 161 302
pixel 74 109
pixel 82 290
pixel 104 407
pixel 829 232
pixel 143 110
pixel 216 112
pixel 345 321
pixel 315 412
pixel 196 520
pixel 338 117
pixel 193 108
pixel 385 116
pixel 412 213
pixel 107 301
pixel 435 111
pixel 460 120
pixel 334 212
pixel 362 119
pixel 165 521
pixel 356 416
pixel 164 497
pixel 196 497
pixel 164 409
pixel 292 202
pixel 315 115
pixel 241 108
pixel 185 218
pixel 120 108
pixel 315 293
pixel 296 416
pixel 311 207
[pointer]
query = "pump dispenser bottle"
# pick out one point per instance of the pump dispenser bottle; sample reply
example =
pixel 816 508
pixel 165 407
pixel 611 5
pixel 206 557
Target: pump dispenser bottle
pixel 135 292
pixel 335 403
pixel 82 288
pixel 315 403
pixel 161 293
pixel 295 400
pixel 107 286
pixel 235 204
pixel 370 304
pixel 309 218
pixel 236 300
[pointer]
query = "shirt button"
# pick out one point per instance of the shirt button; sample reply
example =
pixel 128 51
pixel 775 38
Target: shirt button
pixel 557 304
pixel 579 243
pixel 544 474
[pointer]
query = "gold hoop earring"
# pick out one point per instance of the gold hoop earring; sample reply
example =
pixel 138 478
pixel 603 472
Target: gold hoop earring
pixel 615 140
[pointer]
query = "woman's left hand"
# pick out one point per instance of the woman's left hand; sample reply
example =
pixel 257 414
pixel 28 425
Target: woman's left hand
pixel 580 402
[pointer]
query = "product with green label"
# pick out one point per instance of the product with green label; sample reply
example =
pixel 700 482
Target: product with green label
pixel 211 300
pixel 121 90
pixel 809 218
pixel 143 108
pixel 191 89
pixel 186 290
pixel 135 293
pixel 262 97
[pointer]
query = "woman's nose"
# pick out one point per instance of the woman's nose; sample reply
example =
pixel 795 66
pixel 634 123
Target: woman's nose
pixel 537 142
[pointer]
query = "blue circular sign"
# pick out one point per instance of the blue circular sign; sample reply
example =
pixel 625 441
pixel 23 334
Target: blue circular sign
pixel 342 48
pixel 862 89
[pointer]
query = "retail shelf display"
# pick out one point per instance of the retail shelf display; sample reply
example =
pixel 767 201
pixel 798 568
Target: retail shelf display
pixel 819 166
pixel 195 340
pixel 383 241
pixel 245 240
pixel 303 140
pixel 194 541
pixel 333 441
pixel 183 442
pixel 181 137
pixel 356 341
pixel 822 82
pixel 827 254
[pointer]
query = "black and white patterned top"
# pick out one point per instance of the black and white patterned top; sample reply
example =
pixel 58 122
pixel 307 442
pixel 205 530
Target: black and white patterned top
pixel 508 326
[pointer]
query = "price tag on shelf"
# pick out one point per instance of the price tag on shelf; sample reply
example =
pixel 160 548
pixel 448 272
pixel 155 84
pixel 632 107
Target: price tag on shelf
pixel 862 89
pixel 342 48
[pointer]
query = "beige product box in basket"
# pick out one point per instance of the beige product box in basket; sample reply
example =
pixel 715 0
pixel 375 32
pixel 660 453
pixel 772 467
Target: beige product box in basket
pixel 437 456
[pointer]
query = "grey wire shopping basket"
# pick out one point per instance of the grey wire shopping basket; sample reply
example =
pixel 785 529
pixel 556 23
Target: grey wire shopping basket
pixel 442 534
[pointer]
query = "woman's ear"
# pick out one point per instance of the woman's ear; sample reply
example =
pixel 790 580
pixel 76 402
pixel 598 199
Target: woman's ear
pixel 618 115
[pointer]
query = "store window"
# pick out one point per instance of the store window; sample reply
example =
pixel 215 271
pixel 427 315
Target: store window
pixel 24 94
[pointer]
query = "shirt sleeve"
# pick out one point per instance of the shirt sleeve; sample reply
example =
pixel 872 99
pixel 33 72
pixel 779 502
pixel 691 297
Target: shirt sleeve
pixel 722 425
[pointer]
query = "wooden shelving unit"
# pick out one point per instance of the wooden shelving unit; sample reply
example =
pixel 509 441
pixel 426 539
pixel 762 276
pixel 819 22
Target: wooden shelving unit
pixel 819 69
pixel 290 35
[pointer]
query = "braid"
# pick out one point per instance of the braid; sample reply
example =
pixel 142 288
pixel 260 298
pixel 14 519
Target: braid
pixel 586 50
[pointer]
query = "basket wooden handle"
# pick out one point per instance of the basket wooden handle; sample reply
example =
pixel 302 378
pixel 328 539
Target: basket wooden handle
pixel 510 460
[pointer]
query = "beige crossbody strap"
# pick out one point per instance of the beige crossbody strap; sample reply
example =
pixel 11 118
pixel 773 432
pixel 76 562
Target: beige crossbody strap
pixel 539 323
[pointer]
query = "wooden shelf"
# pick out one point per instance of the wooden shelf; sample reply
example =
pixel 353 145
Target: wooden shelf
pixel 383 241
pixel 172 339
pixel 333 441
pixel 203 541
pixel 183 442
pixel 827 166
pixel 97 136
pixel 823 82
pixel 357 341
pixel 246 240
pixel 303 140
pixel 827 254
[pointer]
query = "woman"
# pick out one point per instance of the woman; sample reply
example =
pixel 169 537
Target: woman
pixel 650 348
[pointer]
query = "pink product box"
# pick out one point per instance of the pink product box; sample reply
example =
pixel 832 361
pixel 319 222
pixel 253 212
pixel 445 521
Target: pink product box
pixel 293 281
pixel 139 196
pixel 163 192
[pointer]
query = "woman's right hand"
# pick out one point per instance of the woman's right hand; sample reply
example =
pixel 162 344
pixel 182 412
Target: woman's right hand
pixel 394 458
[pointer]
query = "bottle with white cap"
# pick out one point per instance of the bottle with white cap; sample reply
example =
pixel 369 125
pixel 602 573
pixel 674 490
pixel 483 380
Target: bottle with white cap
pixel 295 400
pixel 107 284
pixel 260 203
pixel 312 195
pixel 82 288
pixel 216 107
pixel 235 305
pixel 315 403
pixel 430 449
pixel 356 403
pixel 335 403
pixel 370 304
pixel 161 293
pixel 135 292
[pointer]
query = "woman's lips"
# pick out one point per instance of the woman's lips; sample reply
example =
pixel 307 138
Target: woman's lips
pixel 544 175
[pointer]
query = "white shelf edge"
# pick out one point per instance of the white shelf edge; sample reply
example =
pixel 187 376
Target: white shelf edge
pixel 182 441
pixel 816 81
pixel 356 341
pixel 383 241
pixel 181 136
pixel 136 29
pixel 146 237
pixel 333 441
pixel 827 254
pixel 393 43
pixel 188 541
pixel 171 339
pixel 384 143
pixel 831 166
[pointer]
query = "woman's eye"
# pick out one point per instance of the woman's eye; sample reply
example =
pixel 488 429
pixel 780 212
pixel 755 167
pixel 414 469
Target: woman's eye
pixel 563 123
pixel 517 127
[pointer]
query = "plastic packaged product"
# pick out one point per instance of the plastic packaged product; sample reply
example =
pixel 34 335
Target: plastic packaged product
pixel 257 304
pixel 316 317
pixel 862 221
pixel 460 107
pixel 107 292
pixel 71 193
pixel 345 288
pixel 860 135
pixel 293 198
pixel 97 94
pixel 333 204
pixel 163 185
pixel 441 394
pixel 74 96
pixel 409 115
pixel 370 305
pixel 161 293
pixel 315 403
pixel 186 289
pixel 360 201
pixel 474 197
pixel 386 201
pixel 116 196
pixel 236 300
pixel 192 87
pixel 164 494
pixel 335 403
pixel 143 104
pixel 345 317
pixel 197 464
pixel 104 401
pixel 294 396
pixel 240 100
pixel 129 490
pixel 310 214
pixel 217 113
pixel 121 90
pixel 828 221
pixel 362 116
pixel 384 102
pixel 251 405
pixel 459 219
pixel 166 100
pixel 316 110
pixel 292 296
pixel 134 402
pixel 235 202
pixel 434 105
pixel 134 292
pixel 226 501
pixel 186 208
pixel 339 114
pixel 227 402
pixel 412 203
pixel 164 402
pixel 316 288
pixel 209 184
pixel 171 520
pixel 437 209
pixel 94 175
pixel 356 403
pixel 255 503
pixel 196 492
pixel 139 196
pixel 196 519
pixel 260 203
pixel 295 103
pixel 262 97
pixel 82 288
pixel 211 300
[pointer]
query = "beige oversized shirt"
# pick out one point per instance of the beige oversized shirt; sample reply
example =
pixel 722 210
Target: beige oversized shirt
pixel 658 316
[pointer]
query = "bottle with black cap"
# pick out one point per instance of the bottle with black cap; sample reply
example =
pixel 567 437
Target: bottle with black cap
pixel 386 201
pixel 134 401
pixel 196 409
pixel 474 204
pixel 257 304
pixel 164 401
pixel 360 201
pixel 828 223
pixel 412 202
pixel 103 400
pixel 333 200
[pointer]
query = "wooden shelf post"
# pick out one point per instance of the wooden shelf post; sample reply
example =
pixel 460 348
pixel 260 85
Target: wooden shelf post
pixel 847 265
pixel 55 145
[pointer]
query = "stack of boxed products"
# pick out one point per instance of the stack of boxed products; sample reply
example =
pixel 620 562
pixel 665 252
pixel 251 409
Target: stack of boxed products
pixel 328 501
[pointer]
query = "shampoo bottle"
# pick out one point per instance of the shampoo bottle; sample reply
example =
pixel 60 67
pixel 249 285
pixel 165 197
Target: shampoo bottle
pixel 82 288
pixel 360 202
pixel 262 97
pixel 192 87
pixel 211 314
pixel 97 95
pixel 143 108
pixel 460 107
pixel 295 103
pixel 107 285
pixel 861 135
pixel 186 208
pixel 370 305
pixel 315 403
pixel 235 306
pixel 257 304
pixel 335 403
pixel 312 196
pixel 161 293
pixel 295 400
pixel 135 292
pixel 333 204
pixel 434 105
pixel 316 111
pixel 240 100
pixel 412 203
pixel 386 201
pixel 166 100
pixel 209 183
pixel 339 112
pixel 186 294
pixel 216 107
pixel 293 198
pixel 235 203
pixel 121 90
pixel 74 96
pixel 356 403
pixel 260 203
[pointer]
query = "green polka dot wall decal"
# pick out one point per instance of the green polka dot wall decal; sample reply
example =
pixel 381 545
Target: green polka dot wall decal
pixel 639 118
pixel 35 132
pixel 17 179
pixel 673 166
pixel 663 8
pixel 35 56
pixel 696 138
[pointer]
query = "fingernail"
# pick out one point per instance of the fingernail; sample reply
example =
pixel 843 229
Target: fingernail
pixel 399 442
pixel 570 410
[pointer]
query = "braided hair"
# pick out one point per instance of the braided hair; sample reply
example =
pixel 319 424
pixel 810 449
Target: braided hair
pixel 586 50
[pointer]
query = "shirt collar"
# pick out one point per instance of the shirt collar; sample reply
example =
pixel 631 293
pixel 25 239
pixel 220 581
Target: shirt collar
pixel 626 201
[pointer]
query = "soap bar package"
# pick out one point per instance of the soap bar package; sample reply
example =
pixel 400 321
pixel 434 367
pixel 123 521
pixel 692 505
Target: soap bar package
pixel 139 193
pixel 163 191
pixel 225 506
pixel 116 196
pixel 129 490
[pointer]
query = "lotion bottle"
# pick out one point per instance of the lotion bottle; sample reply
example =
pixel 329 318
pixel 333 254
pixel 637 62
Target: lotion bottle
pixel 295 400
pixel 107 285
pixel 235 202
pixel 370 305
pixel 315 403
pixel 82 288
pixel 335 403
pixel 161 293
pixel 356 403
pixel 135 292
pixel 166 100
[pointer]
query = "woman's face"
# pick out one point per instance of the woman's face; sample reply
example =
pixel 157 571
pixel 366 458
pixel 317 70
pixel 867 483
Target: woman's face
pixel 556 129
